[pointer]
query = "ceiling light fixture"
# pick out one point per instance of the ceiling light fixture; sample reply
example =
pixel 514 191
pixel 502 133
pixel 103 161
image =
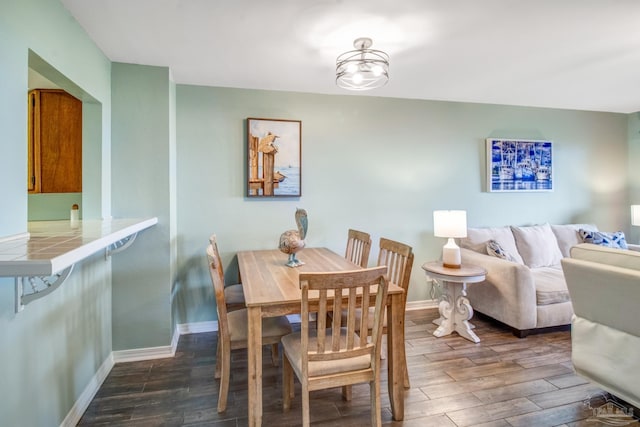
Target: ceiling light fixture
pixel 362 69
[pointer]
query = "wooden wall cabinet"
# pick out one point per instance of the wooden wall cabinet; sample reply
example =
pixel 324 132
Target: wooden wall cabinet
pixel 55 142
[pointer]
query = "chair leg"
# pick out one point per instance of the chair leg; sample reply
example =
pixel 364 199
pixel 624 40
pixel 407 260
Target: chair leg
pixel 224 378
pixel 305 405
pixel 274 354
pixel 287 383
pixel 407 384
pixel 383 346
pixel 292 389
pixel 376 408
pixel 383 355
pixel 346 393
pixel 218 359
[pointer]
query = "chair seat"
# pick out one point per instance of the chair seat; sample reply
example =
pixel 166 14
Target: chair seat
pixel 293 348
pixel 233 294
pixel 271 326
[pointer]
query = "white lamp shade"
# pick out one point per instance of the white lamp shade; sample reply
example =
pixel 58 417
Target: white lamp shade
pixel 635 214
pixel 450 223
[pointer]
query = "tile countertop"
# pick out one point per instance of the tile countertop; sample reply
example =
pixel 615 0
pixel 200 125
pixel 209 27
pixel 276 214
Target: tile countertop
pixel 51 246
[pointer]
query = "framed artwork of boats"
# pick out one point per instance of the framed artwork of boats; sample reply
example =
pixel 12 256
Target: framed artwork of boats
pixel 519 165
pixel 274 158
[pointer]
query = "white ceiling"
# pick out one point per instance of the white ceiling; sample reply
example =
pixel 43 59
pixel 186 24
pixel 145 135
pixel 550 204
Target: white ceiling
pixel 573 54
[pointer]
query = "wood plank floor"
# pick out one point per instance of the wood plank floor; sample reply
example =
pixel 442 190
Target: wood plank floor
pixel 502 381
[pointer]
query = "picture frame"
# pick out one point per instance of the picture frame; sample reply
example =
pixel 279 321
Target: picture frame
pixel 274 158
pixel 519 165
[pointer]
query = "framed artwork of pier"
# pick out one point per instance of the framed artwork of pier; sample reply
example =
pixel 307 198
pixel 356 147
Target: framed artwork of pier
pixel 516 165
pixel 274 158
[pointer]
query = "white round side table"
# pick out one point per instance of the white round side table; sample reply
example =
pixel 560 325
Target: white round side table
pixel 454 306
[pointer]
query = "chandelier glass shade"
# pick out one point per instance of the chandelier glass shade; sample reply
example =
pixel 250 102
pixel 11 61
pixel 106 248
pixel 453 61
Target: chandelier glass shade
pixel 363 68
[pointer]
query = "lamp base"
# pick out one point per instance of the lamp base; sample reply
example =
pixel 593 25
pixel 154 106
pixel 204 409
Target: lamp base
pixel 451 255
pixel 444 264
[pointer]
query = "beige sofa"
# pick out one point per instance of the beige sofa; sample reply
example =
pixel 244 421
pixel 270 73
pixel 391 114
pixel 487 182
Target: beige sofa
pixel 526 289
pixel 604 285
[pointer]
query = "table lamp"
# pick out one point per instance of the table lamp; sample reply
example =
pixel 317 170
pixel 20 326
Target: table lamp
pixel 635 214
pixel 450 224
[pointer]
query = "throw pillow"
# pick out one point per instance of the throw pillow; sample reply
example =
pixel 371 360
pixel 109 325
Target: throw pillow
pixel 537 245
pixel 568 236
pixel 494 249
pixel 477 239
pixel 610 240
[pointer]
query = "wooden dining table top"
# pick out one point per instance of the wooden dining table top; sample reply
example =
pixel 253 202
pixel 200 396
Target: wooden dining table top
pixel 266 280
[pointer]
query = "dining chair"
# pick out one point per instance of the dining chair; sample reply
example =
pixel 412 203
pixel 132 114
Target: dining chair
pixel 398 258
pixel 233 327
pixel 233 294
pixel 333 355
pixel 358 247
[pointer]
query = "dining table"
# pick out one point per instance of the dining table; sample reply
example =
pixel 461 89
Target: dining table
pixel 273 289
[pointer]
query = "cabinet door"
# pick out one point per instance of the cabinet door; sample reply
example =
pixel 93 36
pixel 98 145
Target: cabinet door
pixel 57 131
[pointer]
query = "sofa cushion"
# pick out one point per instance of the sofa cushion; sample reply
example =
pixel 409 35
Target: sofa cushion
pixel 477 239
pixel 610 240
pixel 568 236
pixel 550 285
pixel 537 245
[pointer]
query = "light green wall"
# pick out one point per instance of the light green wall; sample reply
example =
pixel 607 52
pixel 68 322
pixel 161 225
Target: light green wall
pixel 13 118
pixel 54 206
pixel 143 171
pixel 52 349
pixel 380 165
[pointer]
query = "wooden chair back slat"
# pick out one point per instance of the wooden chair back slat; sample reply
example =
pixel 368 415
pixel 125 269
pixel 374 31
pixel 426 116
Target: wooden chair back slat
pixel 322 318
pixel 335 324
pixel 358 247
pixel 365 319
pixel 351 320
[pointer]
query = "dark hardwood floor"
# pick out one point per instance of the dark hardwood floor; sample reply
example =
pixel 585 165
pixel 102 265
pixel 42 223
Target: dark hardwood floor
pixel 502 381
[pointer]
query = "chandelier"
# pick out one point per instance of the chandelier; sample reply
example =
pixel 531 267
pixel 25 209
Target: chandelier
pixel 363 68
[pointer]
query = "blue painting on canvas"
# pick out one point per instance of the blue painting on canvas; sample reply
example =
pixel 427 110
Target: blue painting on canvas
pixel 519 165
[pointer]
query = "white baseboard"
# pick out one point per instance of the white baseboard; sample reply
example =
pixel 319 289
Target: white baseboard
pixel 85 398
pixel 196 327
pixel 14 237
pixel 212 326
pixel 138 354
pixel 419 305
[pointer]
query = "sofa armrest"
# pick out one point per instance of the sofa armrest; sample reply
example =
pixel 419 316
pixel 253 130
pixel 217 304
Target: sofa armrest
pixel 604 294
pixel 508 294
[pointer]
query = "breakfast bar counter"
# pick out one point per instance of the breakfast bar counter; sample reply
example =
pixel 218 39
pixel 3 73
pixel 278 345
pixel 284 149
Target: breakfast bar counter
pixel 46 254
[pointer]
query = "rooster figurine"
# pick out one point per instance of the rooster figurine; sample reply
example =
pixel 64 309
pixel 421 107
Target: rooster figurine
pixel 292 241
